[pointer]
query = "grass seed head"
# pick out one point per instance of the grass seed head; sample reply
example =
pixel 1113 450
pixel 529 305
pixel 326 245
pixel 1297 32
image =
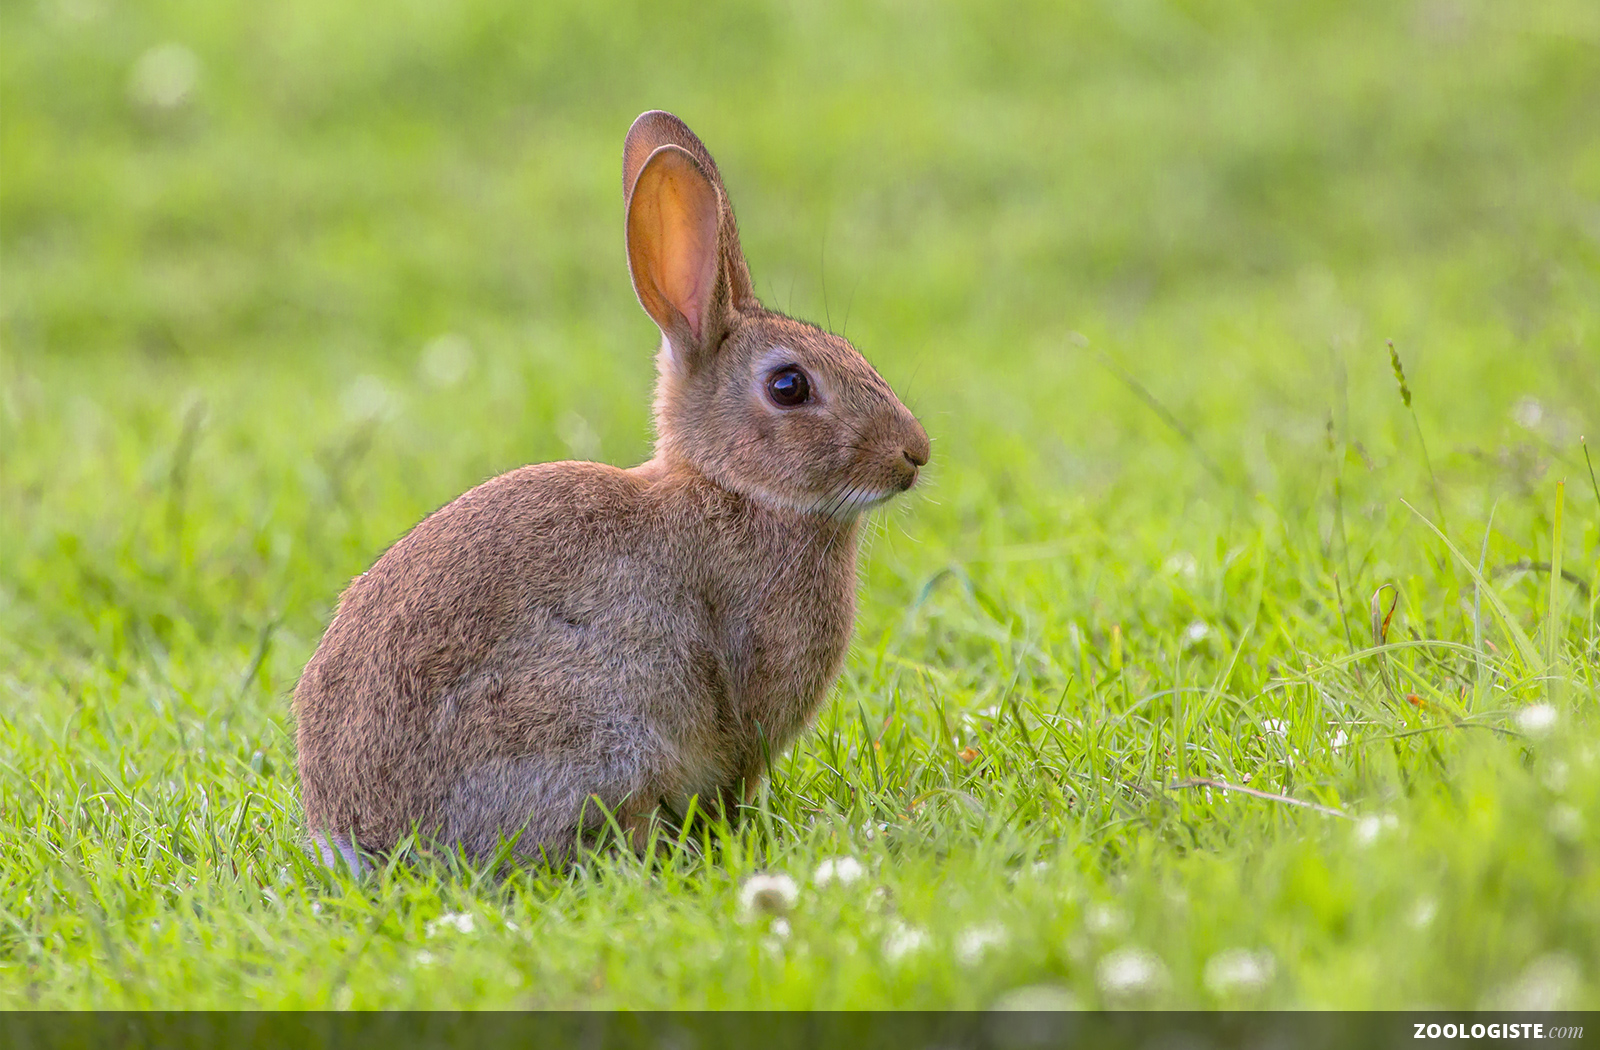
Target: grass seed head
pixel 1399 374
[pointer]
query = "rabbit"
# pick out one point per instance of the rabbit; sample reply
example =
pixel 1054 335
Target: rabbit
pixel 573 643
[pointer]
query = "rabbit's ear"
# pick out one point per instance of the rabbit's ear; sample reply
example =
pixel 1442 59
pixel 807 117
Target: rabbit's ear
pixel 683 244
pixel 672 245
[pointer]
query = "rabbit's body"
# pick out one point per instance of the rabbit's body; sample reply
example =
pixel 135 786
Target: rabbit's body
pixel 571 640
pixel 542 646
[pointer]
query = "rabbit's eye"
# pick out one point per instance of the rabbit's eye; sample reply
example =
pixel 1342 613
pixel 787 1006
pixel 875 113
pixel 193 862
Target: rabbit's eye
pixel 789 387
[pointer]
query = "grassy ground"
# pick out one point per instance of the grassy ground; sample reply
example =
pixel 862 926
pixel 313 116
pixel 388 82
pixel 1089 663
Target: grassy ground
pixel 280 279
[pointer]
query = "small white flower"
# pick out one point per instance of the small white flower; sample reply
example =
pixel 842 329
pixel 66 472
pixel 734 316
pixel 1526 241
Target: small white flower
pixel 164 77
pixel 903 940
pixel 423 959
pixel 1550 982
pixel 976 941
pixel 1129 972
pixel 1555 776
pixel 1239 970
pixel 1566 822
pixel 1181 564
pixel 446 360
pixel 1536 719
pixel 844 870
pixel 1194 634
pixel 1527 412
pixel 1340 739
pixel 1423 913
pixel 316 907
pixel 1367 830
pixel 780 929
pixel 1105 920
pixel 1036 998
pixel 367 398
pixel 771 894
pixel 459 921
pixel 578 435
pixel 1275 726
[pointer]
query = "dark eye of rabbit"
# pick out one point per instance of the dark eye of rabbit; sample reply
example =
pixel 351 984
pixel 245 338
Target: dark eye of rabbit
pixel 789 387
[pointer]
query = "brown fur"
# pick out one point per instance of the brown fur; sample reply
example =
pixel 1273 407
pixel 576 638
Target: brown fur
pixel 571 632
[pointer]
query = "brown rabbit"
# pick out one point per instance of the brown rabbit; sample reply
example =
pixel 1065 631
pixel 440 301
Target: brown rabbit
pixel 573 633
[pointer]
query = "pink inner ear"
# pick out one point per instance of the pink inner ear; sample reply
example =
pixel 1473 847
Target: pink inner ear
pixel 686 263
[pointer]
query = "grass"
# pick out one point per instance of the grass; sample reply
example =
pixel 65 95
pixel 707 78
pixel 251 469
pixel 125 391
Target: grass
pixel 272 296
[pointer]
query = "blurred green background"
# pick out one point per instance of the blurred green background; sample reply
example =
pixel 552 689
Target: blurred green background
pixel 313 227
pixel 278 279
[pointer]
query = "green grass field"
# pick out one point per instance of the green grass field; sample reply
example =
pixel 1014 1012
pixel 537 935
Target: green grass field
pixel 280 279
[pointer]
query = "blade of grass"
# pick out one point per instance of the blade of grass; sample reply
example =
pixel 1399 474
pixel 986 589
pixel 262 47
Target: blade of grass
pixel 1223 785
pixel 1525 647
pixel 1552 638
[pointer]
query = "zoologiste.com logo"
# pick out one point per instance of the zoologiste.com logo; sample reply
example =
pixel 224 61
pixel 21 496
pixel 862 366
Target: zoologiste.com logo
pixel 1494 1030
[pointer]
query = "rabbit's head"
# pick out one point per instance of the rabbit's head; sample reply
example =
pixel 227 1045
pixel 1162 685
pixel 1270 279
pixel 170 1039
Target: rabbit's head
pixel 770 407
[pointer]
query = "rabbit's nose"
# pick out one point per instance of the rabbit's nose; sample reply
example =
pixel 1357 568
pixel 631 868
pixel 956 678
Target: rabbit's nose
pixel 915 446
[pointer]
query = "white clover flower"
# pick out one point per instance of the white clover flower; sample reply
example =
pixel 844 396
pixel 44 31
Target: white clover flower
pixel 164 77
pixel 459 921
pixel 1367 830
pixel 446 359
pixel 1566 822
pixel 780 929
pixel 843 870
pixel 1181 564
pixel 423 959
pixel 975 942
pixel 903 940
pixel 1130 972
pixel 1527 412
pixel 1105 920
pixel 1195 633
pixel 1239 970
pixel 772 894
pixel 1037 998
pixel 579 435
pixel 1536 719
pixel 1550 982
pixel 368 398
